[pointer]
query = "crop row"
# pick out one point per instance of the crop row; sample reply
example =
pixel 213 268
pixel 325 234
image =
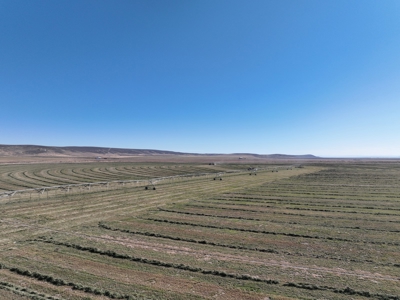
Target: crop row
pixel 60 282
pixel 246 277
pixel 269 220
pixel 159 263
pixel 320 188
pixel 358 238
pixel 345 291
pixel 256 249
pixel 301 202
pixel 273 232
pixel 290 214
pixel 23 291
pixel 176 238
pixel 296 208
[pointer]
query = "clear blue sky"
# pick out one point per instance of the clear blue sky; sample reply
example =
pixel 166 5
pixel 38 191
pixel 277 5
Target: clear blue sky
pixel 206 76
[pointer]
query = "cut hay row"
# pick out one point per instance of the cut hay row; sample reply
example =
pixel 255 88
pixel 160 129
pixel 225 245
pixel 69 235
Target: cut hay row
pixel 272 218
pixel 238 245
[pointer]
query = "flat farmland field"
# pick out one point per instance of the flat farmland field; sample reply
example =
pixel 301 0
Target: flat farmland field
pixel 320 230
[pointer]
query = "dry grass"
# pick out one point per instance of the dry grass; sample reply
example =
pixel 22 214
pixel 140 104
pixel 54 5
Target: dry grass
pixel 323 231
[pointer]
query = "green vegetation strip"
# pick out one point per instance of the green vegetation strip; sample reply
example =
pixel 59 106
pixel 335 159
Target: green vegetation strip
pixel 272 232
pixel 345 291
pixel 175 238
pixel 270 221
pixel 204 242
pixel 209 215
pixel 23 291
pixel 61 282
pixel 157 262
pixel 287 202
pixel 306 209
pixel 290 214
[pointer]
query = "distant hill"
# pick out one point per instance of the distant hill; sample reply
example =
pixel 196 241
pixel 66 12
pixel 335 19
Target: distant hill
pixel 35 150
pixel 281 156
pixel 70 151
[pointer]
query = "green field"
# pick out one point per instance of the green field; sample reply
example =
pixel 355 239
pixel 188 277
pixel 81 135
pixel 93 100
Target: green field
pixel 313 231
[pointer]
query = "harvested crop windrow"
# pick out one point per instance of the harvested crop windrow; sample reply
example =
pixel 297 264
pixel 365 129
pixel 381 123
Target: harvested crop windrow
pixel 345 291
pixel 26 292
pixel 232 200
pixel 240 247
pixel 74 286
pixel 116 295
pixel 273 232
pixel 293 214
pixel 177 238
pixel 297 208
pixel 159 263
pixel 268 219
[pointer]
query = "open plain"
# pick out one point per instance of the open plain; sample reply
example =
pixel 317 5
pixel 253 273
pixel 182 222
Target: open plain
pixel 181 228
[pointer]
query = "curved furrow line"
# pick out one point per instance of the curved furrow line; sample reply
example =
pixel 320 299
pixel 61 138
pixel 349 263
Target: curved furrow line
pixel 15 179
pixel 83 174
pixel 69 174
pixel 42 181
pixel 61 177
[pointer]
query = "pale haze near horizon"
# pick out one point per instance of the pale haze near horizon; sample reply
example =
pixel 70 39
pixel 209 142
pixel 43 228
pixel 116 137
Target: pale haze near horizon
pixel 290 77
